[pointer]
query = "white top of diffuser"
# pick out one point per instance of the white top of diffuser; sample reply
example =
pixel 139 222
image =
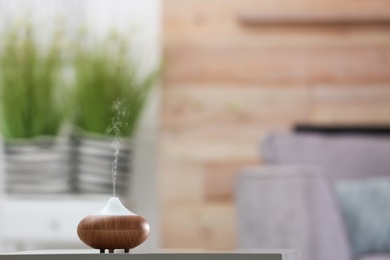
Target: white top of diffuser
pixel 114 207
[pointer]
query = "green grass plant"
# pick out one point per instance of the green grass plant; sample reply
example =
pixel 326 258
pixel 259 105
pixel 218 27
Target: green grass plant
pixel 105 74
pixel 29 83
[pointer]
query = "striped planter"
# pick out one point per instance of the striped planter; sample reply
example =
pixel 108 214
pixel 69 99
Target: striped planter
pixel 37 166
pixel 93 158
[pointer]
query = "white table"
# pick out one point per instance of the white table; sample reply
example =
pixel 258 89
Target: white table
pixel 159 255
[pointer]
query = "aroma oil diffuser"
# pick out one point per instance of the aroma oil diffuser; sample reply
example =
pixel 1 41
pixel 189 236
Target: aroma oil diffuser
pixel 113 227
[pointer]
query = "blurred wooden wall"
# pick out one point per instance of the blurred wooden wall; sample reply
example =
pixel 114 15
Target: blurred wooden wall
pixel 228 82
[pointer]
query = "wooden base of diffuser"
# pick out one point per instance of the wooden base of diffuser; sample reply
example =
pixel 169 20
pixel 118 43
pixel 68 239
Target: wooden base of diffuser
pixel 113 231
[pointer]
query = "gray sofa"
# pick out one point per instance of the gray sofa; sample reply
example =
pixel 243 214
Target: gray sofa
pixel 291 202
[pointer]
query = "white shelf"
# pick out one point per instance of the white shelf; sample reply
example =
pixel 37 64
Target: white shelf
pixel 47 222
pixel 276 254
pixel 52 220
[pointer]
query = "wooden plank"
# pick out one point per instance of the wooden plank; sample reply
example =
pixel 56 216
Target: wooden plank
pixel 220 179
pixel 265 37
pixel 363 7
pixel 189 65
pixel 259 18
pixel 206 226
pixel 378 114
pixel 225 132
pixel 227 7
pixel 351 105
pixel 214 23
pixel 196 152
pixel 344 94
pixel 189 107
pixel 181 183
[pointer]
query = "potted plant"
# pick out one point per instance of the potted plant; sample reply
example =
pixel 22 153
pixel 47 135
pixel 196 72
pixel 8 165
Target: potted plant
pixel 31 115
pixel 109 97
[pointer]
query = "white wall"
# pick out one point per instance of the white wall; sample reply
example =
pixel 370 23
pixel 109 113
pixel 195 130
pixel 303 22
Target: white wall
pixel 100 16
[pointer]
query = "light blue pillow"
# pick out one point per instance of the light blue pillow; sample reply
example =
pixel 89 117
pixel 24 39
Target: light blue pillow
pixel 365 204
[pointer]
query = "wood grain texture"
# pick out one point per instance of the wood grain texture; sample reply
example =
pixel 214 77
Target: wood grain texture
pixel 202 226
pixel 113 232
pixel 358 7
pixel 215 23
pixel 181 182
pixel 252 18
pixel 227 85
pixel 220 179
pixel 196 152
pixel 363 105
pixel 192 107
pixel 296 65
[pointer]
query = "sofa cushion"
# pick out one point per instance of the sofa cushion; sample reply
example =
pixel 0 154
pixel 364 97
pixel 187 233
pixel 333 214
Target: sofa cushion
pixel 376 257
pixel 365 205
pixel 343 156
